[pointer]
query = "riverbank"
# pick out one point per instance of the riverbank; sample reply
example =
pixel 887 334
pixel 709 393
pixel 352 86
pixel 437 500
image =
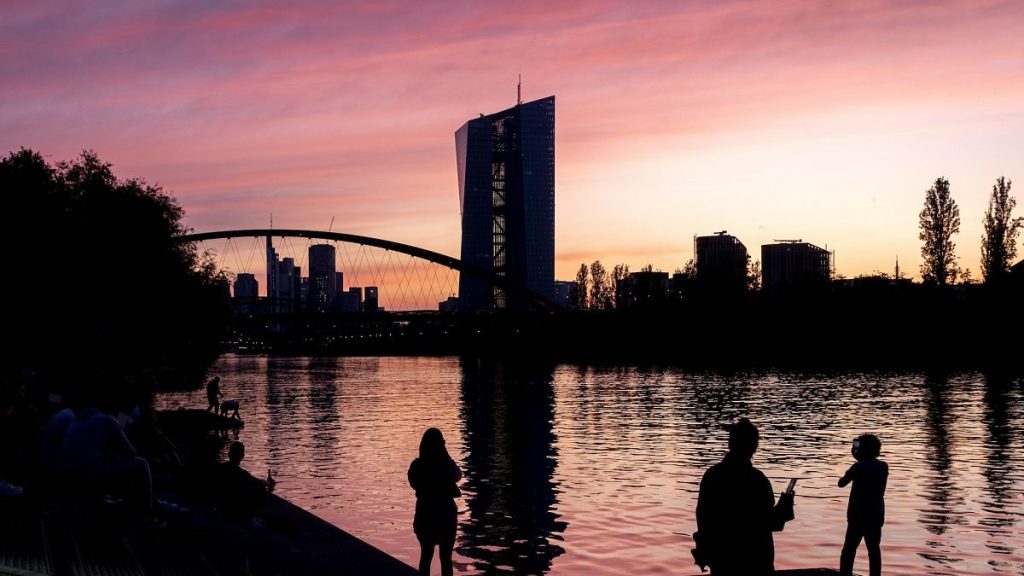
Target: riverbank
pixel 922 334
pixel 60 534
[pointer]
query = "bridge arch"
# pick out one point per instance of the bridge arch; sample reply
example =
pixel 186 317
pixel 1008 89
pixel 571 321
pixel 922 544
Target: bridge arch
pixel 537 300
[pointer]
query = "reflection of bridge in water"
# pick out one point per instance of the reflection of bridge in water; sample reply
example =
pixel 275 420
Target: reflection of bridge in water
pixel 403 277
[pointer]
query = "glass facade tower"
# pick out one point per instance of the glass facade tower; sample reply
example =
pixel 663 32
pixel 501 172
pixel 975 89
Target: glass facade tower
pixel 506 165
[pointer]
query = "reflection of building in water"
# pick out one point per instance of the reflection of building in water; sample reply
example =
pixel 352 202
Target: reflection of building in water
pixel 323 410
pixel 507 418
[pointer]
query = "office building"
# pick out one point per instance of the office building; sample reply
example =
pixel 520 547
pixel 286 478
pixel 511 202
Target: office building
pixel 371 303
pixel 643 290
pixel 246 287
pixel 791 263
pixel 284 282
pixel 506 165
pixel 352 301
pixel 721 262
pixel 565 294
pixel 451 304
pixel 322 278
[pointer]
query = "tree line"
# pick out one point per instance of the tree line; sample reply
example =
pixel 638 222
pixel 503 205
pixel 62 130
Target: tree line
pixel 940 222
pixel 102 291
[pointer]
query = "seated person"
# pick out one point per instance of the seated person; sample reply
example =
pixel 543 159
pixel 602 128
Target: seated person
pixel 238 493
pixel 145 434
pixel 100 457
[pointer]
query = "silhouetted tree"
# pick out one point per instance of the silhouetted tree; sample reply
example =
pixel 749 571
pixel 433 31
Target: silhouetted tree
pixel 600 297
pixel 999 243
pixel 619 273
pixel 690 268
pixel 754 276
pixel 940 220
pixel 116 297
pixel 582 281
pixel 966 278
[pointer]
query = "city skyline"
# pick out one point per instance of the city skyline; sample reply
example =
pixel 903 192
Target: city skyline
pixel 825 123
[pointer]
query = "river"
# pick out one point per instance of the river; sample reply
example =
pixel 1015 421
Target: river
pixel 575 469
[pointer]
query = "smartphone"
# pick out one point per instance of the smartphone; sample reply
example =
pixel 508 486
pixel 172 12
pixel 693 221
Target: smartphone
pixel 791 487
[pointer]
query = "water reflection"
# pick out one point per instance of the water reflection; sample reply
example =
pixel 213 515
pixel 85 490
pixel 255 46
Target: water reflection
pixel 998 471
pixel 940 490
pixel 324 409
pixel 617 453
pixel 510 460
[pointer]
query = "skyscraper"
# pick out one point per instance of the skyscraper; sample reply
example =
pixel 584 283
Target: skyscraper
pixel 506 167
pixel 322 278
pixel 246 287
pixel 721 262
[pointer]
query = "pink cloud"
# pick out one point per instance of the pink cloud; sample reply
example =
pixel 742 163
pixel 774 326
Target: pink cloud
pixel 322 105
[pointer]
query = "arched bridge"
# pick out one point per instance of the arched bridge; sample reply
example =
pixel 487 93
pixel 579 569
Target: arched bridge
pixel 486 276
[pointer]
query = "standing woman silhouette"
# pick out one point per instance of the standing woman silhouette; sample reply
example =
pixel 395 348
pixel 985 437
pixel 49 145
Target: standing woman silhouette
pixel 433 476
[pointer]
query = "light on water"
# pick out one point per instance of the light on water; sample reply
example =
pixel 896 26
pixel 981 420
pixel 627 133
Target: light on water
pixel 572 470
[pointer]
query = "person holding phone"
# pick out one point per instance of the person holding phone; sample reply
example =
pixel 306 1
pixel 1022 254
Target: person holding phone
pixel 737 512
pixel 865 513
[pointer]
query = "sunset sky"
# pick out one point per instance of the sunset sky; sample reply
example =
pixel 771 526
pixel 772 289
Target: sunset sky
pixel 824 121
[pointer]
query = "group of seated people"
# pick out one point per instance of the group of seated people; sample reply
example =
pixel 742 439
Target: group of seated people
pixel 82 453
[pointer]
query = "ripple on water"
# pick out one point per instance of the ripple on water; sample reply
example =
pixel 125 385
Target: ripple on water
pixel 574 469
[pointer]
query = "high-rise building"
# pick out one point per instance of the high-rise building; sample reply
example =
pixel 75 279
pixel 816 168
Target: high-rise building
pixel 246 287
pixel 288 288
pixel 352 301
pixel 721 262
pixel 284 282
pixel 794 263
pixel 371 303
pixel 322 278
pixel 564 293
pixel 506 165
pixel 639 290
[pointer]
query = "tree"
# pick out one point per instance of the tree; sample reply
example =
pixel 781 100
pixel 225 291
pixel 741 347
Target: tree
pixel 582 281
pixel 599 293
pixel 690 269
pixel 754 276
pixel 122 299
pixel 619 273
pixel 939 221
pixel 999 243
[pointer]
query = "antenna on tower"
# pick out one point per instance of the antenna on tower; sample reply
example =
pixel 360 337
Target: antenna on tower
pixel 271 220
pixel 519 90
pixel 331 227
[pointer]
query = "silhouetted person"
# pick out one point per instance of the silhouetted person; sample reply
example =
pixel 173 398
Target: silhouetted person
pixel 100 456
pixel 736 511
pixel 145 434
pixel 434 476
pixel 213 394
pixel 240 494
pixel 866 511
